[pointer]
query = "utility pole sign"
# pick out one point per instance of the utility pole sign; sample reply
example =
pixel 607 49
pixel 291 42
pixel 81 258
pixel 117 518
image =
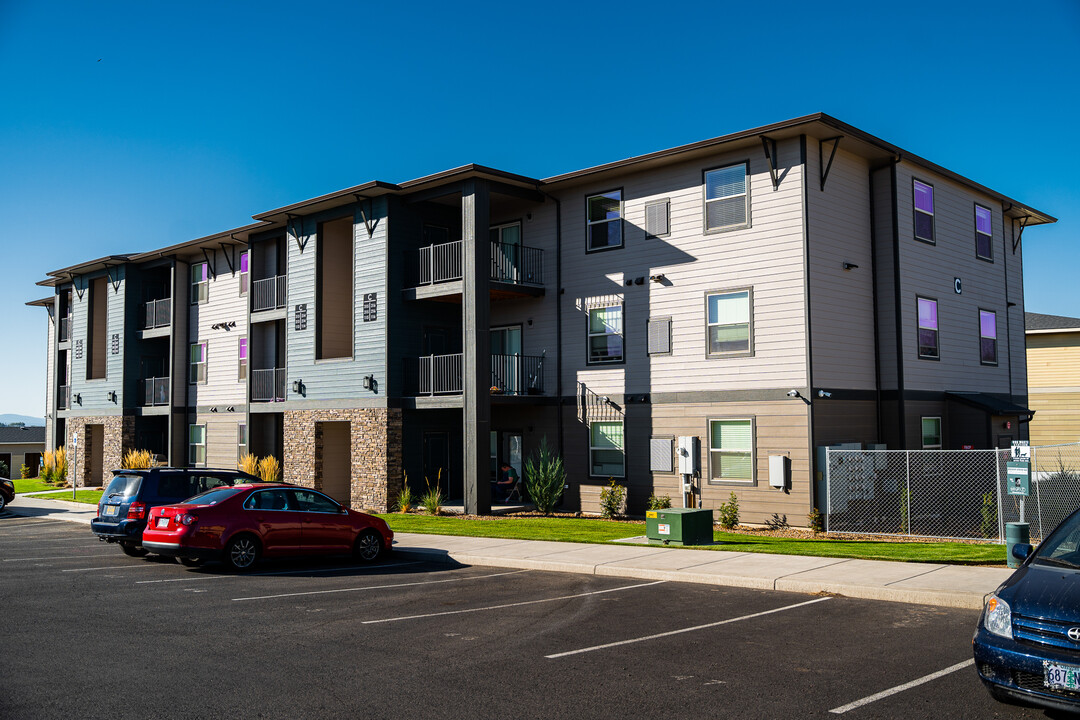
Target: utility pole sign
pixel 1018 472
pixel 74 459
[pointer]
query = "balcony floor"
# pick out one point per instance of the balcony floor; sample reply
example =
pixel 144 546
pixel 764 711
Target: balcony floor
pixel 451 291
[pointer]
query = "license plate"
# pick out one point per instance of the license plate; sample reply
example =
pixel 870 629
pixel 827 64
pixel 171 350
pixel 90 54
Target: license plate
pixel 163 522
pixel 111 510
pixel 1062 677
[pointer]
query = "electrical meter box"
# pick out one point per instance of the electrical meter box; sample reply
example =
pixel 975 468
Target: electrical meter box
pixel 779 471
pixel 679 526
pixel 689 453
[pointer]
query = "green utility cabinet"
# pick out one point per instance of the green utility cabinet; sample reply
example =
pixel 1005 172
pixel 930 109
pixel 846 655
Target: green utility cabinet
pixel 679 526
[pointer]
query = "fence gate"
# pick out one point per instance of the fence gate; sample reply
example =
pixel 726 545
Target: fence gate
pixel 954 494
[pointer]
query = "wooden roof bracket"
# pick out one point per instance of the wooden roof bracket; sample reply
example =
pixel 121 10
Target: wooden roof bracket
pixel 75 285
pixel 769 146
pixel 210 263
pixel 366 215
pixel 231 262
pixel 290 229
pixel 114 282
pixel 1016 239
pixel 823 167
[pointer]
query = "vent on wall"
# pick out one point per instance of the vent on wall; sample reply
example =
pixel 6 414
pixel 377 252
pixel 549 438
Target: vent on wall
pixel 660 454
pixel 660 336
pixel 657 218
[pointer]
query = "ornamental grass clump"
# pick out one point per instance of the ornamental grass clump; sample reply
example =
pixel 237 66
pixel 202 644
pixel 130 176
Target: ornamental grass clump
pixel 405 500
pixel 137 460
pixel 60 465
pixel 544 478
pixel 432 500
pixel 269 469
pixel 48 465
pixel 249 463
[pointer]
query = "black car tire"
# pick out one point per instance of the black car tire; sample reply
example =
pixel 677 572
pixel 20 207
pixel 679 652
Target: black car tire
pixel 133 550
pixel 368 546
pixel 189 562
pixel 3 502
pixel 242 553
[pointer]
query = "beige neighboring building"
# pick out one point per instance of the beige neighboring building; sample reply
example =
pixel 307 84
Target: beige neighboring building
pixel 22 445
pixel 1053 354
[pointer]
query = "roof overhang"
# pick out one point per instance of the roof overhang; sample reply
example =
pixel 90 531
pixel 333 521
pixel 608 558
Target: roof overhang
pixel 990 403
pixel 45 302
pixel 236 236
pixel 90 266
pixel 1052 331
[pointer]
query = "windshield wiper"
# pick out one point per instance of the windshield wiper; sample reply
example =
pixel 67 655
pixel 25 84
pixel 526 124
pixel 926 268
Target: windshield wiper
pixel 1058 561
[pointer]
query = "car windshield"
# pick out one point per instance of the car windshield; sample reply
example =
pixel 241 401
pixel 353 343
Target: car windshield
pixel 123 486
pixel 212 497
pixel 1062 548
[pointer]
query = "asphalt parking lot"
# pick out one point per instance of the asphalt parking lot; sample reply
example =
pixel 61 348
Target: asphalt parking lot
pixel 90 632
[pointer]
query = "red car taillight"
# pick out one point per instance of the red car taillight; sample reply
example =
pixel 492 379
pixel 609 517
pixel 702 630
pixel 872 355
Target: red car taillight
pixel 186 519
pixel 136 511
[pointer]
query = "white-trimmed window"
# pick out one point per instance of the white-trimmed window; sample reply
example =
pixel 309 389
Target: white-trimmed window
pixel 241 358
pixel 928 328
pixel 931 433
pixel 984 233
pixel 197 445
pixel 244 275
pixel 604 220
pixel 607 457
pixel 923 198
pixel 988 337
pixel 731 450
pixel 200 283
pixel 605 335
pixel 727 201
pixel 241 441
pixel 728 322
pixel 197 364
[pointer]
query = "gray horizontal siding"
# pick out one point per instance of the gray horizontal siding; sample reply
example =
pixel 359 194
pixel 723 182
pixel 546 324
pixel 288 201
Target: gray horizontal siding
pixel 94 392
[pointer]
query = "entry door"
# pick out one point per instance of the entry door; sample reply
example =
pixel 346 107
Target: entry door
pixel 513 453
pixel 506 252
pixel 95 440
pixel 506 371
pixel 336 478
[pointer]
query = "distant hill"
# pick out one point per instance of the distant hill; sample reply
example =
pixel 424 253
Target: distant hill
pixel 27 420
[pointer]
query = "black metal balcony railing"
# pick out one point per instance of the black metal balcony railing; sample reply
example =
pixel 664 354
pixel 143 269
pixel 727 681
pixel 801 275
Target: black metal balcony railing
pixel 268 294
pixel 442 375
pixel 268 385
pixel 63 397
pixel 157 313
pixel 515 264
pixel 155 391
pixel 65 329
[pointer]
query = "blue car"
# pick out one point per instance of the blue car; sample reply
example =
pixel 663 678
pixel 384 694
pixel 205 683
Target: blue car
pixel 1027 645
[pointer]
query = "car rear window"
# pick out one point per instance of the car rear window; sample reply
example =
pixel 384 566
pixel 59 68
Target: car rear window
pixel 175 486
pixel 212 497
pixel 125 486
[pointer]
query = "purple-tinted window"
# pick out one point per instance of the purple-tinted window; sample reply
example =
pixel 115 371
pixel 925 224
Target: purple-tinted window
pixel 242 364
pixel 984 233
pixel 987 337
pixel 928 328
pixel 243 262
pixel 243 273
pixel 924 211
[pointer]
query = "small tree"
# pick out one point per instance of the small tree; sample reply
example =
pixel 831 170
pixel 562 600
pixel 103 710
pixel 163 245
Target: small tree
pixel 728 513
pixel 612 500
pixel 4 469
pixel 544 478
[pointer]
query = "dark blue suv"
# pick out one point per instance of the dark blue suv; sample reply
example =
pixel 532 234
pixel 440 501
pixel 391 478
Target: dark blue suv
pixel 130 495
pixel 1027 645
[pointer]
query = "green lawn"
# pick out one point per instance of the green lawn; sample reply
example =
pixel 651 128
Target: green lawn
pixel 31 485
pixel 90 497
pixel 603 531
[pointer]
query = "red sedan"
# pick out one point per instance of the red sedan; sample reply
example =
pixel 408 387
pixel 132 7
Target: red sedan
pixel 243 523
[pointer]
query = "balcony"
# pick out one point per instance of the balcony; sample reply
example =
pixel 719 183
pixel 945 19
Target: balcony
pixel 516 270
pixel 442 375
pixel 63 397
pixel 157 314
pixel 268 294
pixel 154 392
pixel 64 333
pixel 268 385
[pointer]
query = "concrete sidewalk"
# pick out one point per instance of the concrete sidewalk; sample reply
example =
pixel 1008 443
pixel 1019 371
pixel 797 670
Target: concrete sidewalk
pixel 957 586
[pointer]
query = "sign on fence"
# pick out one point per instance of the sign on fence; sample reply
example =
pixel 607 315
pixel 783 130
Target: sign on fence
pixel 1019 478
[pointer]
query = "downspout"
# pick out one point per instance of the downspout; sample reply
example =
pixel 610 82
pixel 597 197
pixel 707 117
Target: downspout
pixel 874 296
pixel 897 301
pixel 558 322
pixel 1008 334
pixel 806 301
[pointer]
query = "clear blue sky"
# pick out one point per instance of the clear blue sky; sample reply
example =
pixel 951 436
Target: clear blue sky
pixel 126 126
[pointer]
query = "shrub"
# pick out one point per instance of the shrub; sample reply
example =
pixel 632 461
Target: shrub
pixel 989 524
pixel 249 464
pixel 433 499
pixel 48 466
pixel 137 460
pixel 60 468
pixel 4 469
pixel 728 513
pixel 24 472
pixel 1064 473
pixel 815 520
pixel 269 469
pixel 544 478
pixel 405 500
pixel 663 502
pixel 612 500
pixel 777 522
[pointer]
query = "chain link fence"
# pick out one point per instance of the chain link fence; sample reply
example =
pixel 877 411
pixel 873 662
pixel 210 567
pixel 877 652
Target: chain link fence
pixel 948 494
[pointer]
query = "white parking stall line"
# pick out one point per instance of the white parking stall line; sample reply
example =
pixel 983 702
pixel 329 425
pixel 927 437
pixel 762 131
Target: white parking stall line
pixel 377 587
pixel 116 567
pixel 901 688
pixel 510 605
pixel 199 578
pixel 59 557
pixel 684 630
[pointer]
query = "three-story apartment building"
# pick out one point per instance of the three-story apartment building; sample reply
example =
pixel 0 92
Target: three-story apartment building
pixel 751 298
